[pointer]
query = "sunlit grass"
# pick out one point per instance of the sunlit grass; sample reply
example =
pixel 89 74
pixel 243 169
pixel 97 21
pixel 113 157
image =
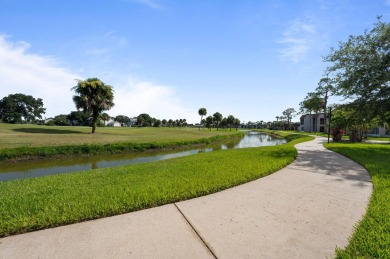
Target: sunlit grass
pixel 20 142
pixel 372 236
pixel 37 203
pixel 28 135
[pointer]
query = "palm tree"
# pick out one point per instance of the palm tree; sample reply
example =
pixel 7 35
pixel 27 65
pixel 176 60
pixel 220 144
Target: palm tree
pixel 202 112
pixel 236 123
pixel 217 118
pixel 230 121
pixel 209 122
pixel 105 117
pixel 92 95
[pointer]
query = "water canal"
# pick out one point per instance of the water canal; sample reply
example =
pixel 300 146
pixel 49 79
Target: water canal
pixel 59 166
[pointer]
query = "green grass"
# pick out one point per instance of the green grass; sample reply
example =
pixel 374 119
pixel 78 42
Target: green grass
pixel 38 203
pixel 28 135
pixel 371 238
pixel 20 142
pixel 379 138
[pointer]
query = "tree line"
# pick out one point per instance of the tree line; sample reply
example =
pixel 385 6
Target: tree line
pixel 218 121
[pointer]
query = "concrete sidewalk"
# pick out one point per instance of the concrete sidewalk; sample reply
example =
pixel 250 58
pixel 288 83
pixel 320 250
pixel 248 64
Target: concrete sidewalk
pixel 302 211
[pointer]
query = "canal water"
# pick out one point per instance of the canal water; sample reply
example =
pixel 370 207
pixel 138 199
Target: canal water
pixel 59 166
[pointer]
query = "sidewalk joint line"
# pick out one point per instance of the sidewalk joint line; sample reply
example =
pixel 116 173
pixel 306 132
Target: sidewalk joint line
pixel 196 232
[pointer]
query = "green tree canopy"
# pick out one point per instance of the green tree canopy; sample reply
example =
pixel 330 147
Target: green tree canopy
pixel 289 114
pixel 105 117
pixel 122 119
pixel 61 120
pixel 93 96
pixel 16 108
pixel 144 120
pixel 236 123
pixel 80 118
pixel 209 122
pixel 230 121
pixel 361 70
pixel 217 118
pixel 202 112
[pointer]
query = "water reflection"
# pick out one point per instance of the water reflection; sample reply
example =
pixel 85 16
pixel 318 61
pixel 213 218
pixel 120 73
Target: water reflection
pixel 59 166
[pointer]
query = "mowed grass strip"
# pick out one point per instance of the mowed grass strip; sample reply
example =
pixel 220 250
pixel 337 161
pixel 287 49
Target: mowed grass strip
pixel 38 203
pixel 26 142
pixel 372 235
pixel 28 135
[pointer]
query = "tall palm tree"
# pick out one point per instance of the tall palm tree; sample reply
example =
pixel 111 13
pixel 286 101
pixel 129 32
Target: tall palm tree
pixel 202 112
pixel 92 95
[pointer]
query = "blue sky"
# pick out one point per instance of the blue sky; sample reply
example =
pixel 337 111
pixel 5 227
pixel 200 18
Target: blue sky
pixel 250 59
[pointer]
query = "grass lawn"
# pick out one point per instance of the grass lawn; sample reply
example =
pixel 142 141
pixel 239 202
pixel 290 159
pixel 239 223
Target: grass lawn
pixel 372 236
pixel 20 142
pixel 43 202
pixel 28 135
pixel 379 138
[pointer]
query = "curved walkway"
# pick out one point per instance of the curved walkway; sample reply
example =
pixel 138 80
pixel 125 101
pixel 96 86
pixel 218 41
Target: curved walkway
pixel 302 211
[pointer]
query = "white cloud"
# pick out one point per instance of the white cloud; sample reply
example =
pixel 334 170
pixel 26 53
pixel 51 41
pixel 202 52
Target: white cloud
pixel 299 38
pixel 134 97
pixel 150 3
pixel 40 76
pixel 36 75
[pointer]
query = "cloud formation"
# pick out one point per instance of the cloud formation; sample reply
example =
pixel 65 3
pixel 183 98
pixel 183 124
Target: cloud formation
pixel 36 75
pixel 134 97
pixel 42 77
pixel 298 39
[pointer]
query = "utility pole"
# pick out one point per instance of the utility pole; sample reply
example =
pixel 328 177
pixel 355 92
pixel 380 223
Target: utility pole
pixel 330 119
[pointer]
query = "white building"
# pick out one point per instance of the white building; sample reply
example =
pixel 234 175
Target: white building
pixel 112 123
pixel 313 123
pixel 378 132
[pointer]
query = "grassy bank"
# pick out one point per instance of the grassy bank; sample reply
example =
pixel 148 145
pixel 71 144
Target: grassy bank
pixel 19 142
pixel 372 236
pixel 38 203
pixel 27 135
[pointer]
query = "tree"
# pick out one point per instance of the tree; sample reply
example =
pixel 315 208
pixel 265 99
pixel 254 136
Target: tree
pixel 122 119
pixel 230 121
pixel 105 117
pixel 217 118
pixel 93 96
pixel 61 120
pixel 164 122
pixel 157 123
pixel 209 122
pixel 202 112
pixel 236 123
pixel 325 88
pixel 289 113
pixel 144 120
pixel 361 70
pixel 79 118
pixel 16 108
pixel 224 123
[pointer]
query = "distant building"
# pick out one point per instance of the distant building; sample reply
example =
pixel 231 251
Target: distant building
pixel 313 122
pixel 112 123
pixel 378 132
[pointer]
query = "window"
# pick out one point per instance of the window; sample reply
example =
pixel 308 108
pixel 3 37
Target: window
pixel 322 121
